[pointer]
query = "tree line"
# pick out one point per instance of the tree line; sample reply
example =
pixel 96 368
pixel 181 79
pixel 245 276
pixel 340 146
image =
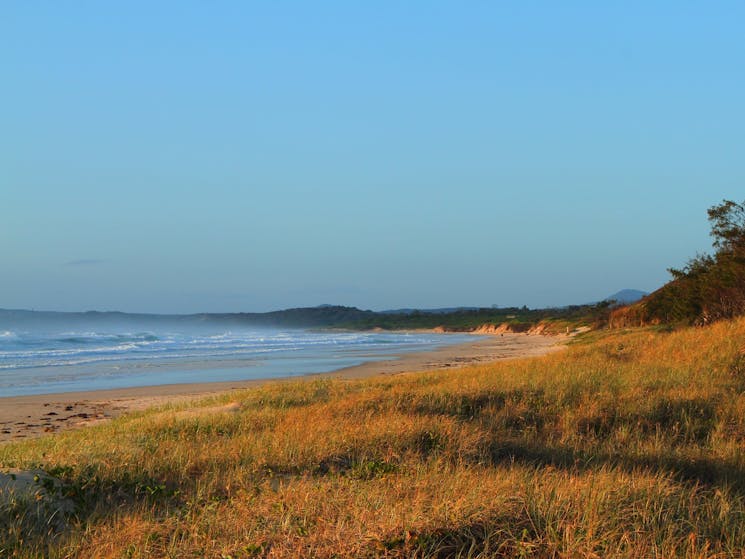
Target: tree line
pixel 709 287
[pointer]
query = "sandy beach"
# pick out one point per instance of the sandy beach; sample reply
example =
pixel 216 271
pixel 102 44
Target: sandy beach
pixel 23 417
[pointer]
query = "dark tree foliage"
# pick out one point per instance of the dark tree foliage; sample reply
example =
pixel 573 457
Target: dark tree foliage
pixel 708 288
pixel 728 226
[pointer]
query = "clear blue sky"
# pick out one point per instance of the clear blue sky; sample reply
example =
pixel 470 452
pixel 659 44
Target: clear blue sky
pixel 244 156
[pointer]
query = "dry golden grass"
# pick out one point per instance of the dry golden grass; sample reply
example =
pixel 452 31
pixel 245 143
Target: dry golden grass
pixel 629 444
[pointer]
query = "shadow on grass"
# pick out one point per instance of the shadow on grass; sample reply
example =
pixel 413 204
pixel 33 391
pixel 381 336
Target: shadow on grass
pixel 492 537
pixel 704 471
pixel 685 423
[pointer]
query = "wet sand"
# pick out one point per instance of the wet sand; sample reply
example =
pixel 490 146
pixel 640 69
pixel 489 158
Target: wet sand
pixel 22 417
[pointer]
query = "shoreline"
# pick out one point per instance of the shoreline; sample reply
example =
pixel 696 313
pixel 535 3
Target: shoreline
pixel 24 417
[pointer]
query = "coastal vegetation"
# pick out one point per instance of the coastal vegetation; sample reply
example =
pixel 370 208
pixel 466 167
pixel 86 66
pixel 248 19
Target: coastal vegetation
pixel 709 287
pixel 516 319
pixel 519 319
pixel 627 444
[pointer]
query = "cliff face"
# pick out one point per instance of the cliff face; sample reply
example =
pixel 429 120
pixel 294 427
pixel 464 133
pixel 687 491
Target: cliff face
pixel 492 329
pixel 532 330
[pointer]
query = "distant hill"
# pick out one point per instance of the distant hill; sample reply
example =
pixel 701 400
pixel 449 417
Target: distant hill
pixel 312 317
pixel 444 310
pixel 305 317
pixel 459 319
pixel 627 296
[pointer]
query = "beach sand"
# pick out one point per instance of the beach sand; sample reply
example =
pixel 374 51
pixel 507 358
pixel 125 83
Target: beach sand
pixel 23 417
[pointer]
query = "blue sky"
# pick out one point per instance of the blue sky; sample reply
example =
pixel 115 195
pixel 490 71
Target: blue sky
pixel 244 156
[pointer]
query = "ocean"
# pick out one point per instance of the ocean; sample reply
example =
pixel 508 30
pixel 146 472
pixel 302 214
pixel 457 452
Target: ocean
pixel 42 360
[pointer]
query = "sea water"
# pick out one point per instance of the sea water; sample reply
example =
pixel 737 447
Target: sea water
pixel 43 361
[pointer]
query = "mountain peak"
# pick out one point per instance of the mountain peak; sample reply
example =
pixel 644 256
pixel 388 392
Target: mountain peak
pixel 626 296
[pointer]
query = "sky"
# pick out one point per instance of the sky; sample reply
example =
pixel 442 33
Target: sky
pixel 199 156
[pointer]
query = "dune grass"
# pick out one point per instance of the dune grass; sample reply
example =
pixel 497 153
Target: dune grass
pixel 628 444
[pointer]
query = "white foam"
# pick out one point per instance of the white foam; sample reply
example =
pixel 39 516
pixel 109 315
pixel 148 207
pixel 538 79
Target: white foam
pixel 74 358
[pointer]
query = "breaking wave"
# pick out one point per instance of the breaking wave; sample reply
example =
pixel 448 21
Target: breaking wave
pixel 31 358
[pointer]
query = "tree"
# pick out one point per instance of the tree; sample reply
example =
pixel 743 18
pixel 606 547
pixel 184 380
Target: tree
pixel 728 226
pixel 708 288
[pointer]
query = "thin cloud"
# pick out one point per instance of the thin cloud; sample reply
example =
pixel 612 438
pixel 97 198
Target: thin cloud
pixel 85 262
